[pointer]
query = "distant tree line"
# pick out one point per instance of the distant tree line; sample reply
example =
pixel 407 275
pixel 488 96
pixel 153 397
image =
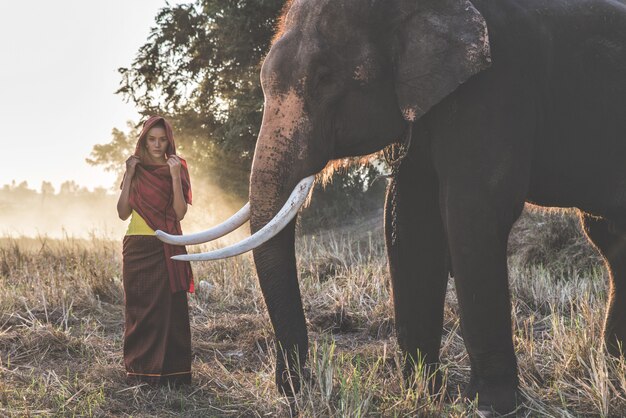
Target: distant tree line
pixel 200 68
pixel 69 210
pixel 67 188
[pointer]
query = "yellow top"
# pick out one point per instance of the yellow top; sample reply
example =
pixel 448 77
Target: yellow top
pixel 138 225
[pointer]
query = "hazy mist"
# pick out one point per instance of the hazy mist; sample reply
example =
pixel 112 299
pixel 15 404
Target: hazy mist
pixel 73 211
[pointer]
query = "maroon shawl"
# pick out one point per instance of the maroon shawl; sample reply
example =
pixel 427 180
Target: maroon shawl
pixel 152 197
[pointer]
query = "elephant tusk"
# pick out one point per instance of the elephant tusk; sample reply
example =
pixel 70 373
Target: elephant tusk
pixel 229 225
pixel 271 229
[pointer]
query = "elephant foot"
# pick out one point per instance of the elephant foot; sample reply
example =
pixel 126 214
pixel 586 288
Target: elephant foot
pixel 429 373
pixel 289 381
pixel 615 344
pixel 495 398
pixel 615 330
pixel 290 369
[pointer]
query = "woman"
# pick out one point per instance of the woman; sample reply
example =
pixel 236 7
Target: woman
pixel 155 194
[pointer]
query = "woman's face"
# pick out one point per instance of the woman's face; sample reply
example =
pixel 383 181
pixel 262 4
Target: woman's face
pixel 156 144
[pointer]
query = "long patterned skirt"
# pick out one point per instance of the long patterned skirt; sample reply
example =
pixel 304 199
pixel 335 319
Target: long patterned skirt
pixel 157 338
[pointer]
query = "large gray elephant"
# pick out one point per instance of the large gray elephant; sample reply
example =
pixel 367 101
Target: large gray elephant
pixel 503 101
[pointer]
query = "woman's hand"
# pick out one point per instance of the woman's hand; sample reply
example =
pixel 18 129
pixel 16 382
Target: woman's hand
pixel 174 162
pixel 180 205
pixel 131 163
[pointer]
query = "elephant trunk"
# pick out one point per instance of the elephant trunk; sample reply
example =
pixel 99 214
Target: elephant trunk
pixel 280 162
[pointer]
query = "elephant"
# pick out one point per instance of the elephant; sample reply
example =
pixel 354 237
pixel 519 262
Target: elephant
pixel 492 104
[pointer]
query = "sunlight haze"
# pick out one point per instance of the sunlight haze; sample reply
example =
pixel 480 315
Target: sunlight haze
pixel 58 75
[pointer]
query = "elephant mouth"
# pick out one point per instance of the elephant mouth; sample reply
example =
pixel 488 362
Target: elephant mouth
pixel 272 228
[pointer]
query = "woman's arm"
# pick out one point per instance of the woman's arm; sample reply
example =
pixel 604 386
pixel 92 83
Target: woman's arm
pixel 180 205
pixel 123 206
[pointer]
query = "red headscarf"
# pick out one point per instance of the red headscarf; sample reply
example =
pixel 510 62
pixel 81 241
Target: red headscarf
pixel 152 197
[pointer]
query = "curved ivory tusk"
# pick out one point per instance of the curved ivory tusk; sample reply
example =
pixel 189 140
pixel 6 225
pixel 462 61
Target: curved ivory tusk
pixel 271 229
pixel 229 225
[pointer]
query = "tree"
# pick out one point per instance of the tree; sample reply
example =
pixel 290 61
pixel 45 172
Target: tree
pixel 47 188
pixel 112 155
pixel 69 188
pixel 201 67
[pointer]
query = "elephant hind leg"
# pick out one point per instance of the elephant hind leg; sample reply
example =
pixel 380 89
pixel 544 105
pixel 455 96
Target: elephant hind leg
pixel 610 240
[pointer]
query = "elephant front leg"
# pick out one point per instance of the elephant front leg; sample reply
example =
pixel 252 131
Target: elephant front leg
pixel 416 253
pixel 276 267
pixel 478 231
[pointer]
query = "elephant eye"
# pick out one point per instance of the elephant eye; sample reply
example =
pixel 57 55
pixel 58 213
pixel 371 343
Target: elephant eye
pixel 324 75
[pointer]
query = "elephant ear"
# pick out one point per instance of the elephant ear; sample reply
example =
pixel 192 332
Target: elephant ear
pixel 441 44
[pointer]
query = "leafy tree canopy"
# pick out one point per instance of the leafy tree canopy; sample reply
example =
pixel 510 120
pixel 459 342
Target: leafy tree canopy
pixel 201 65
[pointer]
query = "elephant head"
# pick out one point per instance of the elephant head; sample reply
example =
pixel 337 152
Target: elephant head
pixel 342 78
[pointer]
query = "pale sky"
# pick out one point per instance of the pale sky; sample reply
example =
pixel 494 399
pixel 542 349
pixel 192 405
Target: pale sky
pixel 58 75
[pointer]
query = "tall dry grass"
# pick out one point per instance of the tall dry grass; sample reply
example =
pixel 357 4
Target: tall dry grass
pixel 61 323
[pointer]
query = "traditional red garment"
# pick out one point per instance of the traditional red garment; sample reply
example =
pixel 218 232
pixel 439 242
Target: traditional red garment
pixel 157 335
pixel 152 197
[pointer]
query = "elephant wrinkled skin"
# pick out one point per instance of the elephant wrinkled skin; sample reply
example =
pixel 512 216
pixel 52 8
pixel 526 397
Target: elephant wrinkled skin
pixel 510 101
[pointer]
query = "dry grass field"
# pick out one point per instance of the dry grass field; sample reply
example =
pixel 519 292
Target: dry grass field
pixel 61 323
